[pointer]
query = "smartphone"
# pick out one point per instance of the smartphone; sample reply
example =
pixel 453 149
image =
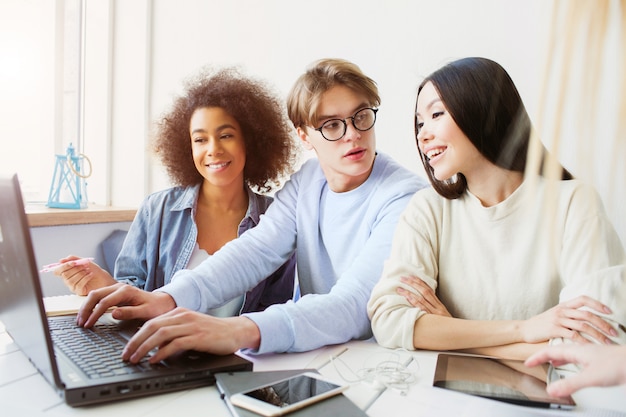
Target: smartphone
pixel 287 395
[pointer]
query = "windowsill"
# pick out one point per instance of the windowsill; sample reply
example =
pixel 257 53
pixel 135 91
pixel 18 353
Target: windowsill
pixel 39 215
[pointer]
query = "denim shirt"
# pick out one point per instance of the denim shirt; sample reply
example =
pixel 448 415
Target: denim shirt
pixel 163 235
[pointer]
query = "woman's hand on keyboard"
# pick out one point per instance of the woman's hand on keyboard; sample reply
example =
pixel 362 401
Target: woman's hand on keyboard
pixel 127 303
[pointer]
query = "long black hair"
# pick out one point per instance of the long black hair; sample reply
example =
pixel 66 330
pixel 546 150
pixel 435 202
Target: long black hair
pixel 484 103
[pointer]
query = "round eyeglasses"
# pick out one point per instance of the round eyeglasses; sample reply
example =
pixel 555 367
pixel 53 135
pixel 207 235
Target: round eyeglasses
pixel 335 129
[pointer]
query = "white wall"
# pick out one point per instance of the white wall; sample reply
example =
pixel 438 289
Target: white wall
pixel 396 43
pixel 158 43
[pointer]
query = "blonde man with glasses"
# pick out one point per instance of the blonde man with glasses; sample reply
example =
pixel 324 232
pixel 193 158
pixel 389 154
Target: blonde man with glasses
pixel 337 213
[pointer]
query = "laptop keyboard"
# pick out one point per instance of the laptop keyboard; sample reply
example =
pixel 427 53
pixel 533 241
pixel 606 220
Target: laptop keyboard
pixel 96 351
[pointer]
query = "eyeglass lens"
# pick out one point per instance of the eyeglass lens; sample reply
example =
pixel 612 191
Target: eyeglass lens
pixel 362 120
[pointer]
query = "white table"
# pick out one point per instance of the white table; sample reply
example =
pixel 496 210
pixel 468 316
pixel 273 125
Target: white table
pixel 24 392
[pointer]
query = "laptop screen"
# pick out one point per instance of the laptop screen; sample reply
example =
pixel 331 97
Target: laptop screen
pixel 21 304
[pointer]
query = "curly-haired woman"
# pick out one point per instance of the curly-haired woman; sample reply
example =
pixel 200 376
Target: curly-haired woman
pixel 225 135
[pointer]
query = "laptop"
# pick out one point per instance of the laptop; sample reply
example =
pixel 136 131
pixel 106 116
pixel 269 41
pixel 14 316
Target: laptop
pixel 67 368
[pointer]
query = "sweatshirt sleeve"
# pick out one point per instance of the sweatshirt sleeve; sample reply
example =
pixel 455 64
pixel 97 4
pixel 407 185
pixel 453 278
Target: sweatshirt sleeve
pixel 593 258
pixel 339 315
pixel 414 252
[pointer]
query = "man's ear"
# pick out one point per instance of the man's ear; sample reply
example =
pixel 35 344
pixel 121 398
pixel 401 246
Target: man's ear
pixel 304 137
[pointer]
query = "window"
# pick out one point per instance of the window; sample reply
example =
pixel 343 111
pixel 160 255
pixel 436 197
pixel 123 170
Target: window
pixel 40 43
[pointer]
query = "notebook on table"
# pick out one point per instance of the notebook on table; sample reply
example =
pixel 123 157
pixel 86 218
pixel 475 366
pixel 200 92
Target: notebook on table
pixel 88 368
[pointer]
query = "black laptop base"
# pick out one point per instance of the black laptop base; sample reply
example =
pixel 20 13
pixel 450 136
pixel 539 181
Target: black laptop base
pixel 159 382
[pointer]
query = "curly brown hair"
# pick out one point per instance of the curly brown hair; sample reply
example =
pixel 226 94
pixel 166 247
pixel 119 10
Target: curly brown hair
pixel 268 135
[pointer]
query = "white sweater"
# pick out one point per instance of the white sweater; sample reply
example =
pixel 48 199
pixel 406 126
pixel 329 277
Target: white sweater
pixel 549 241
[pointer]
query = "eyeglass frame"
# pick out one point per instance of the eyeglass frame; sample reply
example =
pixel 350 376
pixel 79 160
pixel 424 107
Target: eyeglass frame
pixel 345 125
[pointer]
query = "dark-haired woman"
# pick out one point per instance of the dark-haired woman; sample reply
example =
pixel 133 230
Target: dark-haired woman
pixel 494 258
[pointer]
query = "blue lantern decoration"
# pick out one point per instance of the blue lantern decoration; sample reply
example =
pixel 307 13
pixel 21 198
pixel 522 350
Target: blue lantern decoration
pixel 69 189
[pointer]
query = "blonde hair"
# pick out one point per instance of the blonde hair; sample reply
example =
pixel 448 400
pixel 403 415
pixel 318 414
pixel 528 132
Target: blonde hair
pixel 305 95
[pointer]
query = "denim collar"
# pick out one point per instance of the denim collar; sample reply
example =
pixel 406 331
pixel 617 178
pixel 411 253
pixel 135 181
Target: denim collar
pixel 189 197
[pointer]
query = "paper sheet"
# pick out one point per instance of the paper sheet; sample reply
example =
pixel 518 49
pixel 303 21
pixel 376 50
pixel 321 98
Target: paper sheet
pixel 63 305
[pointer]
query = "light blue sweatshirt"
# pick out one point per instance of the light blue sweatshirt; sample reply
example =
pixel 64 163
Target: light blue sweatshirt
pixel 341 241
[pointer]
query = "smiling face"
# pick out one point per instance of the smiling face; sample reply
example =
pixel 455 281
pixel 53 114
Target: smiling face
pixel 218 147
pixel 448 149
pixel 347 162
